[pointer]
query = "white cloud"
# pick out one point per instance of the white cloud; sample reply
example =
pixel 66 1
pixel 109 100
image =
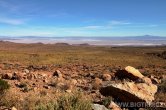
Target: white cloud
pixel 116 22
pixel 153 25
pixel 93 27
pixel 12 21
pixel 107 25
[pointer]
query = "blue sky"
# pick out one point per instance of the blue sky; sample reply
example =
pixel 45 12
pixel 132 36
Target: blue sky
pixel 82 17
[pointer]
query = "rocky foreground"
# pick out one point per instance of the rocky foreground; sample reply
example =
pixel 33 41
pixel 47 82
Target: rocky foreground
pixel 112 88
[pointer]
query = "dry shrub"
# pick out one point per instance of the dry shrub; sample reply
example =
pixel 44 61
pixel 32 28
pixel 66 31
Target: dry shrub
pixel 162 86
pixel 160 97
pixel 73 101
pixel 10 99
pixel 3 86
pixel 61 101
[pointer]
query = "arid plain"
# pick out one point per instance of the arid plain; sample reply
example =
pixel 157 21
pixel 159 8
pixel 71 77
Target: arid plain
pixel 74 77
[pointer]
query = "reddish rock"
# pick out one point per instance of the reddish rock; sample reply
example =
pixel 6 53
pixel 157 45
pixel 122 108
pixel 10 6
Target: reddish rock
pixel 17 76
pixel 46 86
pixel 97 83
pixel 26 71
pixel 58 74
pixel 73 81
pixel 7 76
pixel 31 76
pixel 106 77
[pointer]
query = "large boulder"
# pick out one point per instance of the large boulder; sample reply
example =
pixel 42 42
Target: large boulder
pixel 130 91
pixel 130 73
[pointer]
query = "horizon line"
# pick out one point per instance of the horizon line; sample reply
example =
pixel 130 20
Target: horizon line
pixel 84 36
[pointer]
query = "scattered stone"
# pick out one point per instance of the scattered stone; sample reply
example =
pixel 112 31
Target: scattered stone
pixel 155 80
pixel 68 91
pixel 7 76
pixel 31 76
pixel 98 107
pixel 35 89
pixel 114 106
pixel 26 71
pixel 21 84
pixel 46 86
pixel 13 108
pixel 45 80
pixel 44 75
pixel 106 77
pixel 73 82
pixel 58 74
pixel 91 75
pixel 17 76
pixel 134 87
pixel 97 83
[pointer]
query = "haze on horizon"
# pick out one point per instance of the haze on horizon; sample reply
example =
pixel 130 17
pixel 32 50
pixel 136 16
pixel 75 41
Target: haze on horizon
pixel 82 17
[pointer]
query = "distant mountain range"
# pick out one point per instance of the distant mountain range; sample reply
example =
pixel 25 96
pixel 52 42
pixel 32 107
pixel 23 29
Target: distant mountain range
pixel 82 37
pixel 119 41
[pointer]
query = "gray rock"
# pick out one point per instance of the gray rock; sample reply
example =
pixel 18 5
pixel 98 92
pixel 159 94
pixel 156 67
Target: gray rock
pixel 98 107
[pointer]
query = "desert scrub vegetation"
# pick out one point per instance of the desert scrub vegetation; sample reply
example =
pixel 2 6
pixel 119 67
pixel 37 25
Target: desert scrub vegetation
pixel 76 101
pixel 51 54
pixel 3 86
pixel 162 86
pixel 60 101
pixel 106 102
pixel 161 95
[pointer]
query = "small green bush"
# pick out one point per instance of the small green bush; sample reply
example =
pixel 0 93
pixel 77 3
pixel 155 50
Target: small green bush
pixel 107 101
pixel 3 86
